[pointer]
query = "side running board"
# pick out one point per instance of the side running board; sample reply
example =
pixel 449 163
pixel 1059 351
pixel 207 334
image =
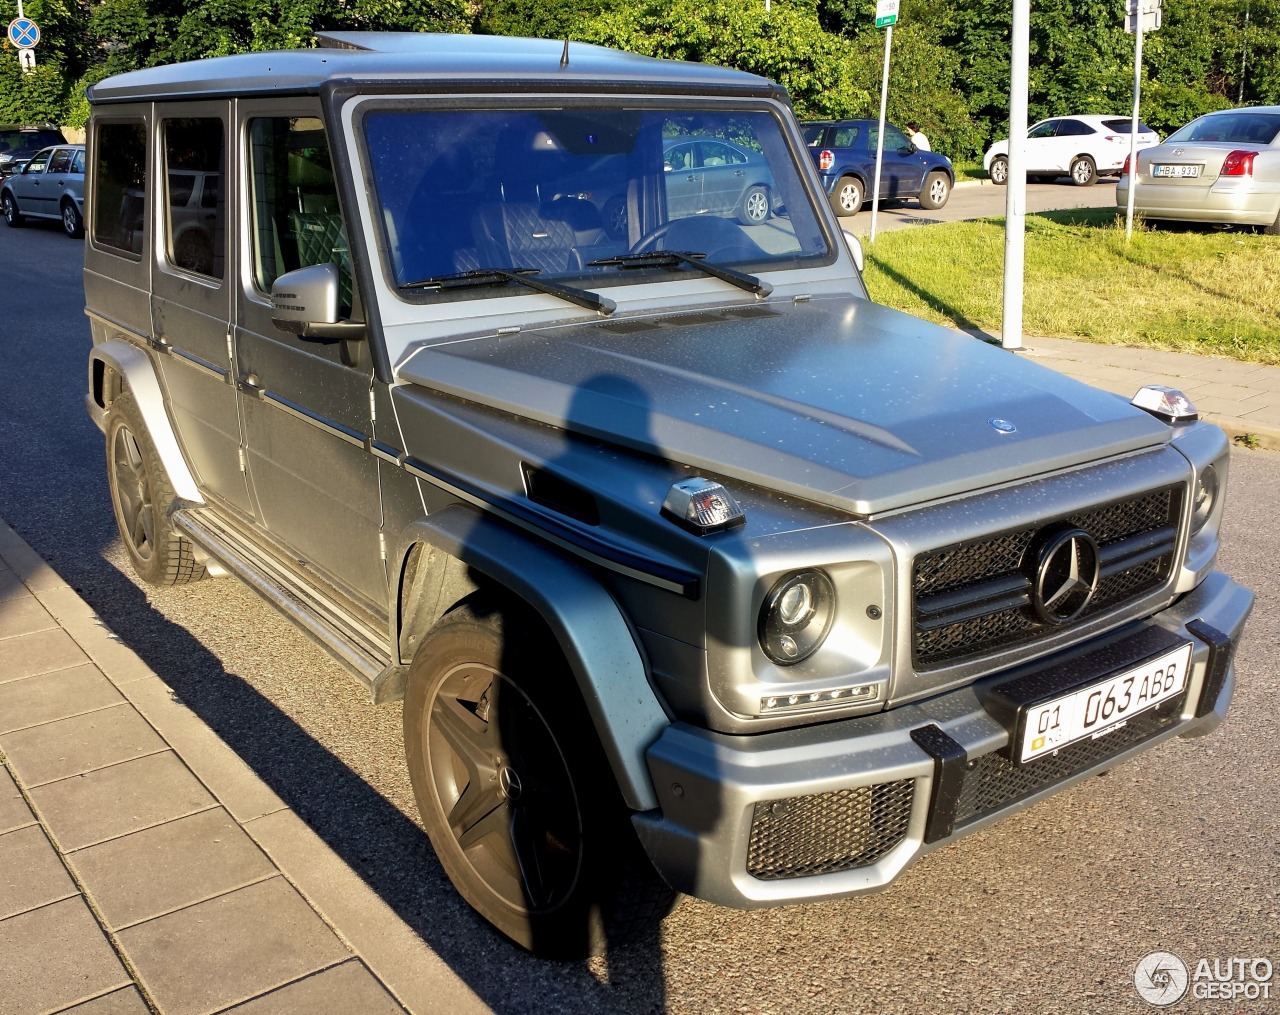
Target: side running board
pixel 349 639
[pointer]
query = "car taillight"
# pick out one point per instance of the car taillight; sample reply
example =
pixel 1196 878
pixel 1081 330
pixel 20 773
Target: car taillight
pixel 826 159
pixel 1238 163
pixel 1124 170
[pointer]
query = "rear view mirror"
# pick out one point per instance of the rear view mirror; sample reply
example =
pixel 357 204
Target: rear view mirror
pixel 855 250
pixel 305 302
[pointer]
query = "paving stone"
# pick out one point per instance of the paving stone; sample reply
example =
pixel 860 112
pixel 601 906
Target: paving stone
pixel 23 615
pixel 161 869
pixel 55 957
pixel 337 991
pixel 118 1002
pixel 116 659
pixel 38 653
pixel 230 949
pixel 110 802
pixel 82 743
pixel 11 586
pixel 28 564
pixel 14 812
pixel 49 696
pixel 31 874
pixel 233 782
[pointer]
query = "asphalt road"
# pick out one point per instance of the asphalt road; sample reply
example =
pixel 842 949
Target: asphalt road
pixel 1049 911
pixel 983 200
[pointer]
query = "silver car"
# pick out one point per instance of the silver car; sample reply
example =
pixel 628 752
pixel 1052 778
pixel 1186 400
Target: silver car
pixel 1223 168
pixel 695 569
pixel 50 186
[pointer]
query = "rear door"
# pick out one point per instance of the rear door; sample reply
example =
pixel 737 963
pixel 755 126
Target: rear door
pixel 191 300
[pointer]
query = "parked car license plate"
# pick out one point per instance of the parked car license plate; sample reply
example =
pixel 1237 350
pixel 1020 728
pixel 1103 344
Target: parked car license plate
pixel 1167 170
pixel 1101 707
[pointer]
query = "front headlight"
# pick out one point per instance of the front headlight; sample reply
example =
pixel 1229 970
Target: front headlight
pixel 797 616
pixel 1206 498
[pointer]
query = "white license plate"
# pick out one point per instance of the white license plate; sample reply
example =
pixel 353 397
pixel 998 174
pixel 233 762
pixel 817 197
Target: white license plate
pixel 1100 708
pixel 1187 171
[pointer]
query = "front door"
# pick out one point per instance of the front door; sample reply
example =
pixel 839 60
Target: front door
pixel 305 411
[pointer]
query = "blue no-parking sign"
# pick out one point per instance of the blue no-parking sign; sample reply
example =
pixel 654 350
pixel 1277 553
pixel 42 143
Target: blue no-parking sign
pixel 24 33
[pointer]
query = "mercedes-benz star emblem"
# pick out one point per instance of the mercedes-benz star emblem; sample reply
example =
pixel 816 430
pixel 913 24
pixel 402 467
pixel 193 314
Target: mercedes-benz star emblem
pixel 1066 574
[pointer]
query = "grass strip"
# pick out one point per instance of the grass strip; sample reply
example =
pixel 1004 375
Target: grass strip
pixel 1186 289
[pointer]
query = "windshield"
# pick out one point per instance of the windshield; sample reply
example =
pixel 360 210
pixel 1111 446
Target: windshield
pixel 1242 127
pixel 554 190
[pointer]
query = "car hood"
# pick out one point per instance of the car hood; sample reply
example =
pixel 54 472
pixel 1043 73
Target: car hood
pixel 839 401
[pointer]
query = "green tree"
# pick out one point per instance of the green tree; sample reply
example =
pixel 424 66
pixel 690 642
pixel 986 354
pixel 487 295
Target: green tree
pixel 787 44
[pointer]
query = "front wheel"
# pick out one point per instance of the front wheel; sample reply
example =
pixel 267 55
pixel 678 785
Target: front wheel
pixel 755 207
pixel 11 214
pixel 846 200
pixel 514 790
pixel 1084 173
pixel 140 496
pixel 937 188
pixel 999 171
pixel 72 223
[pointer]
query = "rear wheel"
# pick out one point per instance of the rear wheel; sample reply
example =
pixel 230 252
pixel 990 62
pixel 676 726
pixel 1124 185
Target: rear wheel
pixel 515 792
pixel 755 207
pixel 999 171
pixel 846 200
pixel 11 214
pixel 140 496
pixel 1274 228
pixel 72 223
pixel 1083 171
pixel 937 188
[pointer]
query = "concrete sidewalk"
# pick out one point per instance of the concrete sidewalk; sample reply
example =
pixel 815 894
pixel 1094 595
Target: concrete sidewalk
pixel 145 868
pixel 1242 398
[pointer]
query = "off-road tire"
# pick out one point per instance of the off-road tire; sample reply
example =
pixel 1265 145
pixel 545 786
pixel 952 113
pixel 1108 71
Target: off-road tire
pixel 516 794
pixel 140 497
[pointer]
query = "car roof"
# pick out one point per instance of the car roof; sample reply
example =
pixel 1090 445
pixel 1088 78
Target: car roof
pixel 1241 109
pixel 841 123
pixel 428 62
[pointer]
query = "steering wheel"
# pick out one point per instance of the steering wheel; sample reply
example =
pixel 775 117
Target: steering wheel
pixel 650 239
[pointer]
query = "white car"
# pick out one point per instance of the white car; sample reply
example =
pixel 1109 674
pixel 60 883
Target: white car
pixel 1082 147
pixel 1222 168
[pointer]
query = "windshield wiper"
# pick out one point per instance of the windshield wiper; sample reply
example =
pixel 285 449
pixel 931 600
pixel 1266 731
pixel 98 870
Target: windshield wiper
pixel 672 258
pixel 524 276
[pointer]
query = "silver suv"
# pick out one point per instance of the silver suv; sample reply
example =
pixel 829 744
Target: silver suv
pixel 696 570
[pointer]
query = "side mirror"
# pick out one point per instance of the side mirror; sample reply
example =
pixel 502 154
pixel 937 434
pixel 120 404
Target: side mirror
pixel 855 250
pixel 305 303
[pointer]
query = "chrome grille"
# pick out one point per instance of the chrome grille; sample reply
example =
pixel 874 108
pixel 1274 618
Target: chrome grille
pixel 974 598
pixel 828 832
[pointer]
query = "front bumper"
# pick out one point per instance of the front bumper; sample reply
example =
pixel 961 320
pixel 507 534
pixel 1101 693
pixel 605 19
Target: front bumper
pixel 841 809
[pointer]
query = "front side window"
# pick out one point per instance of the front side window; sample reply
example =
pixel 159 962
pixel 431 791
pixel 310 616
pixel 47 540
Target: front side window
pixel 195 231
pixel 556 191
pixel 120 186
pixel 296 219
pixel 39 163
pixel 1042 130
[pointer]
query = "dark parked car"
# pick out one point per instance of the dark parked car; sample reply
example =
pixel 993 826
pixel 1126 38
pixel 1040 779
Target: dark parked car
pixel 19 144
pixel 50 186
pixel 845 153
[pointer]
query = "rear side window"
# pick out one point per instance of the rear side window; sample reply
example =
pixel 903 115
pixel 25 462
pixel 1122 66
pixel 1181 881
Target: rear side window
pixel 195 230
pixel 61 161
pixel 1074 128
pixel 845 137
pixel 120 187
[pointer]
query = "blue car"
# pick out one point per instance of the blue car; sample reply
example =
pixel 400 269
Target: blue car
pixel 845 153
